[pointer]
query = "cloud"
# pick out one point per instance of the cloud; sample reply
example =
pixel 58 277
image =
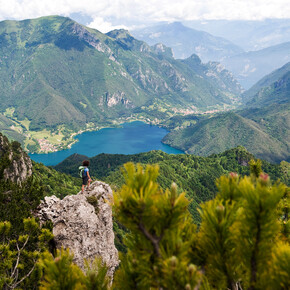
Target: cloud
pixel 104 26
pixel 123 13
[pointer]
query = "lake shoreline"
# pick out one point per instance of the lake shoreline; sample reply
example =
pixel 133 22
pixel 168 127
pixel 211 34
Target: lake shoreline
pixel 127 138
pixel 52 148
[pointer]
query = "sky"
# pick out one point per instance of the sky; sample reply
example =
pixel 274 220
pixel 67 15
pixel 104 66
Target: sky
pixel 106 15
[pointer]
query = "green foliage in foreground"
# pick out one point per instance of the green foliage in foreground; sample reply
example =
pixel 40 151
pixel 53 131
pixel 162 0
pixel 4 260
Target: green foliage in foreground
pixel 21 239
pixel 61 273
pixel 240 243
pixel 19 255
pixel 161 233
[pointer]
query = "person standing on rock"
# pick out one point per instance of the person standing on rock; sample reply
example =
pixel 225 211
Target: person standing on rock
pixel 84 172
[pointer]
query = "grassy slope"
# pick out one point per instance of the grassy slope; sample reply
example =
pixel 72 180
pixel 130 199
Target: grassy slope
pixel 5 128
pixel 274 120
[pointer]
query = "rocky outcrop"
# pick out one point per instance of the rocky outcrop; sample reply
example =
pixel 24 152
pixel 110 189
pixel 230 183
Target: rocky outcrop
pixel 89 38
pixel 222 77
pixel 15 165
pixel 118 98
pixel 161 49
pixel 83 223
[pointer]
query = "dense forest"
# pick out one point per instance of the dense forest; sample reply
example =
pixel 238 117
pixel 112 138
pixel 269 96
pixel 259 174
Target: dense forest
pixel 195 175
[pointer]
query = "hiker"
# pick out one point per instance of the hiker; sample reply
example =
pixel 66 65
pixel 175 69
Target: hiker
pixel 85 175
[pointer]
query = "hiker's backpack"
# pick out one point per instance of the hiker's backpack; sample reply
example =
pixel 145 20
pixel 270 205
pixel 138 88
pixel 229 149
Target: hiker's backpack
pixel 82 171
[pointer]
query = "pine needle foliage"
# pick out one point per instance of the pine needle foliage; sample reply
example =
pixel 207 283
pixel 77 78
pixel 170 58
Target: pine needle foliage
pixel 19 255
pixel 60 273
pixel 241 243
pixel 96 275
pixel 240 234
pixel 161 233
pixel 279 267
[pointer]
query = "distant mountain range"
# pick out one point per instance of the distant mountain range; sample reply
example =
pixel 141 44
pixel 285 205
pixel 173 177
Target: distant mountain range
pixel 186 41
pixel 247 67
pixel 250 67
pixel 54 71
pixel 263 127
pixel 248 34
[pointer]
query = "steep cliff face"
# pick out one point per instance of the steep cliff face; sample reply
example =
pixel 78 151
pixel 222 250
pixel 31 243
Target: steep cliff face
pixel 83 223
pixel 15 165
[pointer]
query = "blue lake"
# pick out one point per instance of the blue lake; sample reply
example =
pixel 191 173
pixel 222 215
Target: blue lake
pixel 131 138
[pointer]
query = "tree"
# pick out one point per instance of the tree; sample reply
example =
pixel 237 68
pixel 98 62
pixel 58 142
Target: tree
pixel 61 273
pixel 240 234
pixel 19 255
pixel 161 233
pixel 241 242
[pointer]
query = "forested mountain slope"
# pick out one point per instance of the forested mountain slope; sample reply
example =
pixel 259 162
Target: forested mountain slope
pixel 194 174
pixel 263 126
pixel 221 132
pixel 265 82
pixel 277 92
pixel 55 71
pixel 273 120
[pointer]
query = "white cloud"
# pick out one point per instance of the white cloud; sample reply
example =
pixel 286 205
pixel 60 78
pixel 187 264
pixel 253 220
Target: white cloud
pixel 110 14
pixel 104 26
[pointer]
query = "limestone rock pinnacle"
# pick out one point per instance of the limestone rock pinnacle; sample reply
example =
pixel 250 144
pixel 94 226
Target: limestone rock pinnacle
pixel 83 223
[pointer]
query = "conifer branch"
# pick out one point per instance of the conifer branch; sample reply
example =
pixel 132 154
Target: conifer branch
pixel 18 257
pixel 254 254
pixel 152 238
pixel 26 276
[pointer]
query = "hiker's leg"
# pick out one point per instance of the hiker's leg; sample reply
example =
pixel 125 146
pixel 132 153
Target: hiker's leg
pixel 83 187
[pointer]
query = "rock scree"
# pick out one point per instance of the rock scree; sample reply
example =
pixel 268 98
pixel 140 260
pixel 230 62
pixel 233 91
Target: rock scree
pixel 83 223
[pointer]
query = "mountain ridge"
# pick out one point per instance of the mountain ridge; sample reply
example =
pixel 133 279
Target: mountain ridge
pixel 185 41
pixel 249 67
pixel 54 72
pixel 266 81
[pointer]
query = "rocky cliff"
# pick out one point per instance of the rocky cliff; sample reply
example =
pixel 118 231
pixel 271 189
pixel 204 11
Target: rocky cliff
pixel 15 164
pixel 83 223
